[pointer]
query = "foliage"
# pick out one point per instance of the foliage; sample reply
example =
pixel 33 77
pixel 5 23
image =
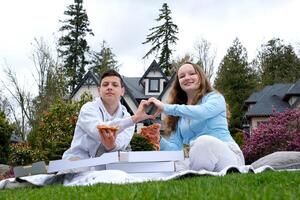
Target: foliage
pixel 5 132
pixel 236 80
pixel 54 131
pixel 162 37
pixel 280 133
pixel 104 60
pixel 140 143
pixel 73 46
pixel 239 138
pixel 277 63
pixel 8 174
pixel 23 154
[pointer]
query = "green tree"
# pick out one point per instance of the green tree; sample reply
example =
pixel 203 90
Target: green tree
pixel 73 46
pixel 5 132
pixel 104 60
pixel 277 63
pixel 162 37
pixel 236 80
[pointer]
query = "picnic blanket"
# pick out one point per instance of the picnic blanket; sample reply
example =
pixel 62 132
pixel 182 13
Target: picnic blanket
pixel 117 177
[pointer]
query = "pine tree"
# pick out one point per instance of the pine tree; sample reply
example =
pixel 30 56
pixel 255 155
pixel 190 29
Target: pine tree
pixel 162 37
pixel 73 46
pixel 104 60
pixel 277 63
pixel 236 80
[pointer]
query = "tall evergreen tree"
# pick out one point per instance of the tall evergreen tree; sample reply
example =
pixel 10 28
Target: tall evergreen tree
pixel 104 60
pixel 73 46
pixel 236 80
pixel 162 37
pixel 277 63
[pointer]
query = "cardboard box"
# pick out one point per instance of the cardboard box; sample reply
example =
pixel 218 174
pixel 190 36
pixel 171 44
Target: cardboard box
pixel 118 157
pixel 151 156
pixel 142 167
pixel 60 165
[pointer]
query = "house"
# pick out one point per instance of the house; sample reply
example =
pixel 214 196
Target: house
pixel 279 97
pixel 153 83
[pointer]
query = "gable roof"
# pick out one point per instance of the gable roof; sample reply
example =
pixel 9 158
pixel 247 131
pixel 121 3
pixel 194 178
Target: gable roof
pixel 153 67
pixel 270 98
pixel 136 89
pixel 167 86
pixel 294 90
pixel 89 79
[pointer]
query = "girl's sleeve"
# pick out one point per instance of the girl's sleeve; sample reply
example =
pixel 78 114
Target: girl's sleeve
pixel 172 144
pixel 213 105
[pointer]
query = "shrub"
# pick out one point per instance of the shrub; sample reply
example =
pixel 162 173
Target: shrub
pixel 239 138
pixel 140 143
pixel 53 133
pixel 8 174
pixel 5 132
pixel 23 154
pixel 280 133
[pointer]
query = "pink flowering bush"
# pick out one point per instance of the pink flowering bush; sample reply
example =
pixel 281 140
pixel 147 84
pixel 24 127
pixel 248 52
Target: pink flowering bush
pixel 8 174
pixel 280 133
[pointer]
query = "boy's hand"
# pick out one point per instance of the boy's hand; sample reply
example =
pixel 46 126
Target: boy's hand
pixel 108 137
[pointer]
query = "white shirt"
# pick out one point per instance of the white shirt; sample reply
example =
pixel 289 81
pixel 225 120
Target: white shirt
pixel 86 139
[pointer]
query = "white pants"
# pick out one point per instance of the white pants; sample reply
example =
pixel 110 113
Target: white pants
pixel 212 154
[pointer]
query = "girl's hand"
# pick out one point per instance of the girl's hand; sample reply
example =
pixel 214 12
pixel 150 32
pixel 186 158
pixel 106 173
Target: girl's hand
pixel 158 104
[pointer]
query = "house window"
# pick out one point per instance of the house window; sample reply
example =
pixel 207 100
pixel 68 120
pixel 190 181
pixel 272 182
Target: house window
pixel 154 85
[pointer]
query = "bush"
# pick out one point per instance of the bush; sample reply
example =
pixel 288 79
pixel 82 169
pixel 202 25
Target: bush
pixel 23 154
pixel 5 132
pixel 8 174
pixel 53 133
pixel 140 143
pixel 280 133
pixel 239 138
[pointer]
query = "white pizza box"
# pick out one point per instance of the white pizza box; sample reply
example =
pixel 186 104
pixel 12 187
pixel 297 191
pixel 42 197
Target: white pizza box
pixel 142 167
pixel 60 165
pixel 115 157
pixel 151 156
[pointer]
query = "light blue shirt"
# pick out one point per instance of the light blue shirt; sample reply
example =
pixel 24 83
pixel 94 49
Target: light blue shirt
pixel 208 117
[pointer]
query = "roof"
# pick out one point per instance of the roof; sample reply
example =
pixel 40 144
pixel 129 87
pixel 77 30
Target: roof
pixel 89 79
pixel 137 90
pixel 269 99
pixel 294 90
pixel 16 138
pixel 153 67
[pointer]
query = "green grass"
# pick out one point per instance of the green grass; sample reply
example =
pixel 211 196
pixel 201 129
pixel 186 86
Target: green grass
pixel 267 185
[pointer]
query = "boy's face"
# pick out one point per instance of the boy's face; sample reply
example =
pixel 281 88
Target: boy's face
pixel 110 89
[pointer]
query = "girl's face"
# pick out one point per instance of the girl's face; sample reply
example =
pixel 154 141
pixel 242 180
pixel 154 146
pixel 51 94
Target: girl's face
pixel 188 78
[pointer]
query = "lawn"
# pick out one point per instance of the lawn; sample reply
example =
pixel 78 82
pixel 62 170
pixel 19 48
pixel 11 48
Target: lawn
pixel 267 185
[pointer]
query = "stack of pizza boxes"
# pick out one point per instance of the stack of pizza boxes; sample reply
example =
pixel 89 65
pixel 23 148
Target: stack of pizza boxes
pixel 130 162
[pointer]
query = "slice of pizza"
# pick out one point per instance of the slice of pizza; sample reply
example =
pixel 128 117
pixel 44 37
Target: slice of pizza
pixel 152 134
pixel 105 127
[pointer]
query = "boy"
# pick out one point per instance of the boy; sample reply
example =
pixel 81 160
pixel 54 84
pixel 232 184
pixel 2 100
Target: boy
pixel 104 110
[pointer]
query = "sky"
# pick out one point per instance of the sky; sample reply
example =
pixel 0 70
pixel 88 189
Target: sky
pixel 124 25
